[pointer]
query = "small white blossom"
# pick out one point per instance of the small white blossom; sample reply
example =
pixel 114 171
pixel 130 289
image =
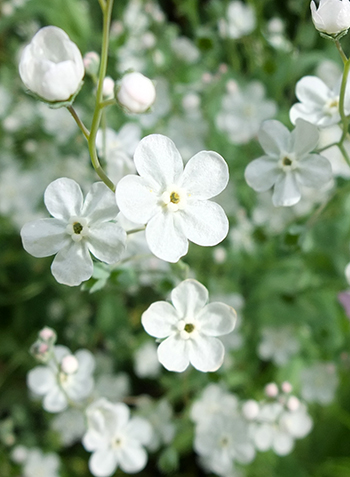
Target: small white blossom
pixel 70 426
pixel 115 439
pixel 288 164
pixel 319 383
pixel 136 92
pixel 319 104
pixel 240 21
pixel 278 345
pixel 51 66
pixel 190 327
pixel 174 202
pixel 160 416
pixel 77 229
pixel 57 385
pixel 38 464
pixel 331 16
pixel 243 111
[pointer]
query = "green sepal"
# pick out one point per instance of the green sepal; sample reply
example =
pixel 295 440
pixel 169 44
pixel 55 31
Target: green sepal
pixel 57 104
pixel 334 37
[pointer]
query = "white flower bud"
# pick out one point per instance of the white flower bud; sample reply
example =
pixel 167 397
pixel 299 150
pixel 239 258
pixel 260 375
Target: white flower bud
pixel 250 409
pixel 136 92
pixel 332 16
pixel 69 364
pixel 286 387
pixel 47 334
pixel 293 403
pixel 51 66
pixel 108 87
pixel 91 63
pixel 271 390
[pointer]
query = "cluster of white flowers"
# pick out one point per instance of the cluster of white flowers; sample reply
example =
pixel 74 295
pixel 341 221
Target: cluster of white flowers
pixel 35 463
pixel 240 20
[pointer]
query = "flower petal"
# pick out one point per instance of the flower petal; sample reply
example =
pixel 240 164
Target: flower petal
pixel 140 430
pixel 165 237
pixel 304 138
pixel 189 297
pixel 63 198
pixel 314 171
pixel 106 242
pixel 273 137
pixel 137 199
pixel 44 237
pixel 286 191
pixel 262 173
pixel 159 319
pixel 41 379
pixel 217 319
pixel 312 90
pixel 205 175
pixel 86 361
pixel 204 222
pixel 206 353
pixel 158 160
pixel 103 463
pixel 132 458
pixel 72 265
pixel 100 204
pixel 173 354
pixel 55 400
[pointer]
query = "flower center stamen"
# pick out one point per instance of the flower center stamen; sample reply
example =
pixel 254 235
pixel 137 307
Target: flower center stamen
pixel 174 198
pixel 77 227
pixel 286 161
pixel 189 327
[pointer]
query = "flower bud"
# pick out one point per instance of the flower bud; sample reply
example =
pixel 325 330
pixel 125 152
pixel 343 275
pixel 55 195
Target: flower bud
pixel 48 334
pixel 271 390
pixel 250 409
pixel 332 16
pixel 69 364
pixel 286 387
pixel 136 92
pixel 51 66
pixel 108 87
pixel 91 63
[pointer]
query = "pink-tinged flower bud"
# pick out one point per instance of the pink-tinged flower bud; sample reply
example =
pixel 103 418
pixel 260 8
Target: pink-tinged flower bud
pixel 47 334
pixel 51 66
pixel 69 364
pixel 91 63
pixel 286 387
pixel 293 403
pixel 108 87
pixel 271 390
pixel 136 92
pixel 331 16
pixel 250 409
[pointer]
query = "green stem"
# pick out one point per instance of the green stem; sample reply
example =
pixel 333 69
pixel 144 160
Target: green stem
pixel 102 5
pixel 107 14
pixel 344 152
pixel 134 231
pixel 340 49
pixel 79 122
pixel 108 102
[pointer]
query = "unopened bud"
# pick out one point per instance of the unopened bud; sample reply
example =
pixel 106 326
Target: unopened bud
pixel 108 87
pixel 286 387
pixel 136 92
pixel 69 364
pixel 48 334
pixel 91 63
pixel 293 403
pixel 271 390
pixel 250 409
pixel 332 16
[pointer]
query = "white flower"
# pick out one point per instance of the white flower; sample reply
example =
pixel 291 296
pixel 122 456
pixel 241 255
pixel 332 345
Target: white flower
pixel 59 382
pixel 38 464
pixel 77 228
pixel 136 92
pixel 115 439
pixel 146 364
pixel 278 344
pixel 240 21
pixel 70 426
pixel 288 164
pixel 331 16
pixel 190 327
pixel 319 104
pixel 172 201
pixel 243 111
pixel 319 383
pixel 160 416
pixel 51 66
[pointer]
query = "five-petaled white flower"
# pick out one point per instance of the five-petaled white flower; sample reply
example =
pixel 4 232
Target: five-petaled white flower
pixel 77 227
pixel 115 439
pixel 65 377
pixel 172 201
pixel 51 66
pixel 288 164
pixel 190 327
pixel 319 104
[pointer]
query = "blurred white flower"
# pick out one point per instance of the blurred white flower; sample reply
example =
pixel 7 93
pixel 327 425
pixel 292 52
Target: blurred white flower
pixel 51 66
pixel 240 21
pixel 331 16
pixel 136 93
pixel 38 464
pixel 172 201
pixel 58 122
pixel 114 387
pixel 243 111
pixel 319 383
pixel 160 416
pixel 161 106
pixel 319 104
pixel 70 425
pixel 190 327
pixel 288 164
pixel 339 165
pixel 278 345
pixel 77 229
pixel 185 49
pixel 60 382
pixel 146 364
pixel 115 439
